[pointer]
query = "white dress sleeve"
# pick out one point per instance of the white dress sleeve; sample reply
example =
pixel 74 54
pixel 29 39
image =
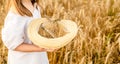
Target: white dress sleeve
pixel 13 32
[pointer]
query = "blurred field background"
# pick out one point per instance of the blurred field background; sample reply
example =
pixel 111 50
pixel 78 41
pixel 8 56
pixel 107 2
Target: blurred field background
pixel 98 39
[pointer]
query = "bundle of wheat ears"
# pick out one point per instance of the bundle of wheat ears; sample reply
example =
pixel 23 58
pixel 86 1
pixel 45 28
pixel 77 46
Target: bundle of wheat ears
pixel 48 33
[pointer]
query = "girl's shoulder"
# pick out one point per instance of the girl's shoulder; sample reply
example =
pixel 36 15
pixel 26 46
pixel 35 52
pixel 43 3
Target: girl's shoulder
pixel 15 19
pixel 11 16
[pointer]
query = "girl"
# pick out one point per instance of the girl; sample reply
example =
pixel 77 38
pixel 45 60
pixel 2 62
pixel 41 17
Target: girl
pixel 14 34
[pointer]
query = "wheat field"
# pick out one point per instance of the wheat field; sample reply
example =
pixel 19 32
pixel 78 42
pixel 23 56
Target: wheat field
pixel 98 38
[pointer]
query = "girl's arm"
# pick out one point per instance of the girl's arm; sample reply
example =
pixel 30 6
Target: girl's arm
pixel 29 48
pixel 32 48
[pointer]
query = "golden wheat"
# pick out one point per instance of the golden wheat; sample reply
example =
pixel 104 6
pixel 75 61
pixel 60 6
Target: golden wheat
pixel 98 39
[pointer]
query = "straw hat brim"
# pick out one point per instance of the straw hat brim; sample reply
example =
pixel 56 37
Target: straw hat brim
pixel 44 42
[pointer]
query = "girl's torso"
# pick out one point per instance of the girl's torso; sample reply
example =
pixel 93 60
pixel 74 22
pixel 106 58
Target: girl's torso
pixel 16 57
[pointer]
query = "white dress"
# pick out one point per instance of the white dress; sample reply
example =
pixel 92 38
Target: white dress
pixel 14 33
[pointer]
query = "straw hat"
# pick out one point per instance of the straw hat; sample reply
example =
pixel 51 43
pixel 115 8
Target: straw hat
pixel 48 43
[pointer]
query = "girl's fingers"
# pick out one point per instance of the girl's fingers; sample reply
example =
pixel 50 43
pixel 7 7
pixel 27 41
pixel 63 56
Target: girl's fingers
pixel 51 50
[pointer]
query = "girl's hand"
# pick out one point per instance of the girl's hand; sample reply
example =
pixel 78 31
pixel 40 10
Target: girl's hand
pixel 42 49
pixel 51 50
